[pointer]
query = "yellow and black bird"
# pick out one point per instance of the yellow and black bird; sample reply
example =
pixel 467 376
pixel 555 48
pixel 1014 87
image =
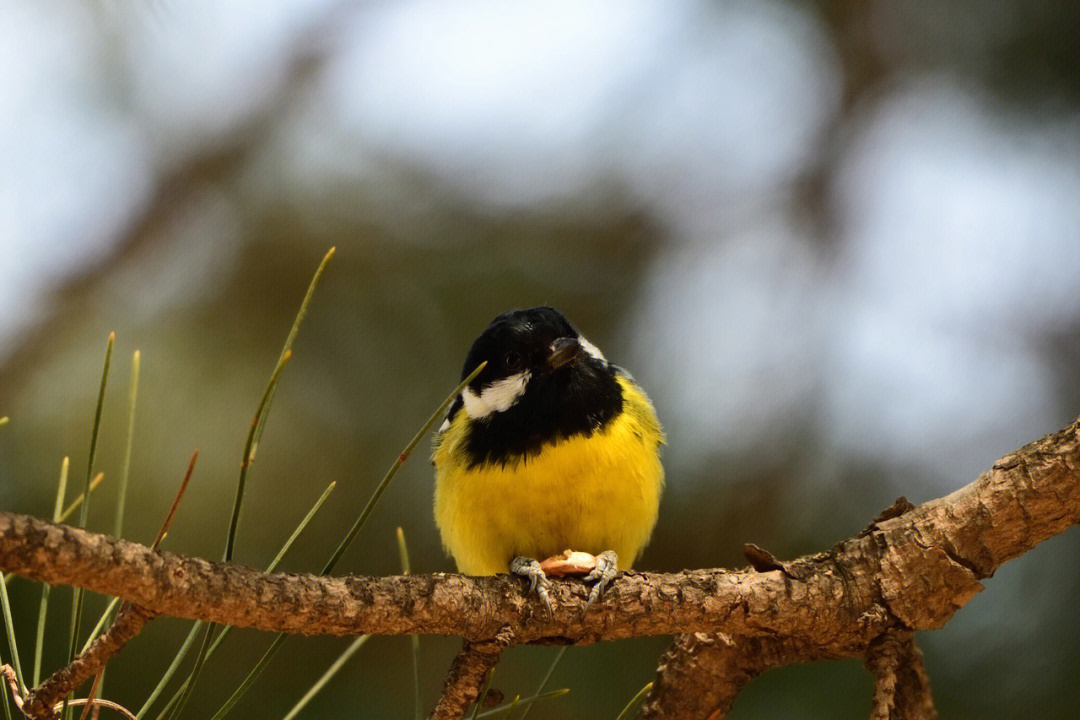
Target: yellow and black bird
pixel 549 448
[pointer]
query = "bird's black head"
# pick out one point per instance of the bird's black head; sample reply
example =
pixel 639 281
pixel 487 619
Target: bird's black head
pixel 543 383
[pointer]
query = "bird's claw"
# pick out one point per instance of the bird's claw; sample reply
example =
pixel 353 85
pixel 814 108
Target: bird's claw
pixel 538 580
pixel 607 567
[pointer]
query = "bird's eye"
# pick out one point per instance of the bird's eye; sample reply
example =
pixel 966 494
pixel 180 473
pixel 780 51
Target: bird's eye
pixel 513 360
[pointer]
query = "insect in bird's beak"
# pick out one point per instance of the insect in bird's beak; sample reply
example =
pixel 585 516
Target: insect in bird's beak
pixel 563 352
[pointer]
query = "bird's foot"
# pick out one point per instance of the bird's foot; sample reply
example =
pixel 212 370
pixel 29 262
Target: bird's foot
pixel 538 580
pixel 607 567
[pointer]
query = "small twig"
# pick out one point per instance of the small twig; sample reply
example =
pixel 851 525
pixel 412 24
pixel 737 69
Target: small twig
pixel 901 687
pixel 40 701
pixel 467 673
pixel 102 703
pixel 8 673
pixel 883 662
pixel 913 696
pixel 702 674
pixel 93 694
pixel 699 676
pixel 176 501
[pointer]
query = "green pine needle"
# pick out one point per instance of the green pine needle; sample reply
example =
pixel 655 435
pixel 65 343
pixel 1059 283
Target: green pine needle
pixel 100 625
pixel 252 676
pixel 300 528
pixel 403 550
pixel 9 627
pixel 547 676
pixel 170 671
pixel 249 455
pixel 84 513
pixel 193 676
pixel 4 696
pixel 414 640
pixel 255 433
pixel 77 502
pixel 121 497
pixel 634 705
pixel 43 608
pixel 289 341
pixel 527 702
pixel 327 676
pixel 483 694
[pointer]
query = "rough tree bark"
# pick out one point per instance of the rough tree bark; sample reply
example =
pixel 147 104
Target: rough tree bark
pixel 911 569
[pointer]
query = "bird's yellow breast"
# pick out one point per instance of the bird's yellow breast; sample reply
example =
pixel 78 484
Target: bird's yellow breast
pixel 592 494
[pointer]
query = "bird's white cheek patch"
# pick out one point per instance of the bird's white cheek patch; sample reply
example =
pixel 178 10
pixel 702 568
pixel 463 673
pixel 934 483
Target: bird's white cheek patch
pixel 496 397
pixel 591 349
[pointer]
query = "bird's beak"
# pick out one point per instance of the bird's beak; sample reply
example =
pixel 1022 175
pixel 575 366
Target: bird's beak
pixel 563 352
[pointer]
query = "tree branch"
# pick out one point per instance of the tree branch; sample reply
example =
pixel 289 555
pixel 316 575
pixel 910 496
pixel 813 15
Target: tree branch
pixel 467 673
pixel 701 674
pixel 7 673
pixel 901 687
pixel 910 570
pixel 40 701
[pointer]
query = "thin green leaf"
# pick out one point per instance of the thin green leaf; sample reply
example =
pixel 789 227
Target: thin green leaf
pixel 527 702
pixel 170 671
pixel 414 640
pixel 4 687
pixel 547 676
pixel 193 676
pixel 327 676
pixel 9 627
pixel 634 705
pixel 78 501
pixel 43 608
pixel 121 495
pixel 100 625
pixel 300 528
pixel 483 694
pixel 355 529
pixel 291 337
pixel 245 463
pixel 403 550
pixel 252 676
pixel 255 433
pixel 84 513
